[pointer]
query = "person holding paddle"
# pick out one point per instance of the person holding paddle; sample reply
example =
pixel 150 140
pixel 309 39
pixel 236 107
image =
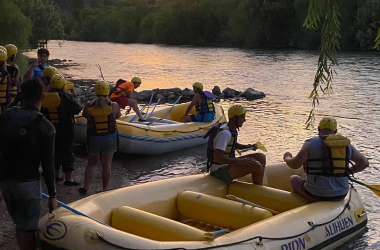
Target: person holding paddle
pixel 123 95
pixel 204 106
pixel 222 144
pixel 326 160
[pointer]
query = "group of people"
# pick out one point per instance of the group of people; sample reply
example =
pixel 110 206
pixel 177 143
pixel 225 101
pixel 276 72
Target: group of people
pixel 39 132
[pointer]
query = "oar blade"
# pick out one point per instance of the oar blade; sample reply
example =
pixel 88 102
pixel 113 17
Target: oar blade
pixel 375 189
pixel 261 146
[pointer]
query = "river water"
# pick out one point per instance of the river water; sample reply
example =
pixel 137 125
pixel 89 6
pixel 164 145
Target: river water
pixel 278 120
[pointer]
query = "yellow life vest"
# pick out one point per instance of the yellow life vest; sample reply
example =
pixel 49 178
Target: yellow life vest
pixel 101 121
pixel 4 90
pixel 335 157
pixel 51 102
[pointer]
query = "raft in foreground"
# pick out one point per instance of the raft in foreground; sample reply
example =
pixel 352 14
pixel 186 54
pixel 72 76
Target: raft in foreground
pixel 192 212
pixel 157 135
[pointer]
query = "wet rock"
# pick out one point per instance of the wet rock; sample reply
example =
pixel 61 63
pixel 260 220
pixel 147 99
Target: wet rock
pixel 144 95
pixel 251 94
pixel 78 91
pixel 187 93
pixel 216 91
pixel 229 93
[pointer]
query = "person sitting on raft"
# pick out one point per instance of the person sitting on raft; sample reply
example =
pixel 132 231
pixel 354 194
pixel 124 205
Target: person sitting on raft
pixel 123 95
pixel 325 159
pixel 204 106
pixel 222 143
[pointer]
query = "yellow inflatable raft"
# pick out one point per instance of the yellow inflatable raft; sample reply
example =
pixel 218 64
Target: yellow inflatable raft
pixel 157 135
pixel 192 212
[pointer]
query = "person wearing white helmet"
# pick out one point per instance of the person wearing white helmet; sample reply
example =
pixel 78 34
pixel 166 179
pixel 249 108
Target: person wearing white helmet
pixel 325 159
pixel 222 143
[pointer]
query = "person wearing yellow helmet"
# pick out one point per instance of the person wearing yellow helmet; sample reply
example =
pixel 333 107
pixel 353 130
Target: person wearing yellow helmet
pixel 38 65
pixel 59 107
pixel 123 95
pixel 13 70
pixel 101 116
pixel 325 159
pixel 222 143
pixel 204 106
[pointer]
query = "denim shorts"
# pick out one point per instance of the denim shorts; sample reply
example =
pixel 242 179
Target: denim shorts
pixel 222 174
pixel 102 144
pixel 207 117
pixel 23 200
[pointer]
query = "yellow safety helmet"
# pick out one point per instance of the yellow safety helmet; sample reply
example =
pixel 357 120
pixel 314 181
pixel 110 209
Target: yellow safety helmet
pixel 136 79
pixel 198 85
pixel 102 88
pixel 3 48
pixel 57 81
pixel 328 122
pixel 236 109
pixel 11 49
pixel 3 55
pixel 49 71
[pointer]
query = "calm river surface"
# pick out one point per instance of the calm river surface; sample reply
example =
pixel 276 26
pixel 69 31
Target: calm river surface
pixel 277 121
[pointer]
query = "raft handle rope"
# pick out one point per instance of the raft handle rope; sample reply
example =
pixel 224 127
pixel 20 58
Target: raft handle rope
pixel 259 238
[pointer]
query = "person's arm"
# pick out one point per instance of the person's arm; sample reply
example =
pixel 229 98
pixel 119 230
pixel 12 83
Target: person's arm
pixel 297 161
pixel 85 110
pixel 244 146
pixel 361 162
pixel 47 164
pixel 116 109
pixel 192 104
pixel 29 73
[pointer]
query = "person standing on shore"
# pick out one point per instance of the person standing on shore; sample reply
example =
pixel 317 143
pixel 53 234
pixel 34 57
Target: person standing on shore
pixel 204 106
pixel 60 107
pixel 123 95
pixel 38 65
pixel 5 81
pixel 13 70
pixel 102 139
pixel 27 142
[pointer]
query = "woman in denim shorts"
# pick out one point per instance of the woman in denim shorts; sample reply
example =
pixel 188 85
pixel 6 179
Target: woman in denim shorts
pixel 101 139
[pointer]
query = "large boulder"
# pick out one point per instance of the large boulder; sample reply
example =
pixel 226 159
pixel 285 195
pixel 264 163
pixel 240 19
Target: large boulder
pixel 228 92
pixel 187 93
pixel 78 91
pixel 144 95
pixel 251 94
pixel 216 91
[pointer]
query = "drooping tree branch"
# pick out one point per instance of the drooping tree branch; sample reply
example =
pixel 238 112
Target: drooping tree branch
pixel 327 13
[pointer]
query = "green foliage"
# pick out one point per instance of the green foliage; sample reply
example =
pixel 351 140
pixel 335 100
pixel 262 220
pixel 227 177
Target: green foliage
pixel 15 27
pixel 45 18
pixel 377 40
pixel 326 10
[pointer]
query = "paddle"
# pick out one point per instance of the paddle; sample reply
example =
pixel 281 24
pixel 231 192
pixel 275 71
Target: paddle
pixel 74 210
pixel 373 188
pixel 234 198
pixel 167 112
pixel 150 101
pixel 259 146
pixel 158 101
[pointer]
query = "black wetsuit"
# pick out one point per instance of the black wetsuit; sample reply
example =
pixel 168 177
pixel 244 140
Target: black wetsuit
pixel 64 141
pixel 26 141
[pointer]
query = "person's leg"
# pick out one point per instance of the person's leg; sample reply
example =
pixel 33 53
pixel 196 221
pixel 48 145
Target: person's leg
pixel 58 157
pixel 26 240
pixel 68 158
pixel 187 118
pixel 92 161
pixel 258 175
pixel 106 160
pixel 133 103
pixel 298 186
pixel 257 172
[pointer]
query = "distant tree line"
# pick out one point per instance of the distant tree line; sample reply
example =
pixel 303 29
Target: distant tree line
pixel 238 23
